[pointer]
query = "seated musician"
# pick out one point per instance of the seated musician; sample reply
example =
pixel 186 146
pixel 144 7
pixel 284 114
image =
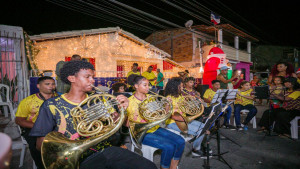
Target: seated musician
pixel 244 100
pixel 172 145
pixel 54 115
pixel 208 96
pixel 28 111
pixel 173 91
pixel 119 87
pixel 290 108
pixel 276 90
pixel 188 88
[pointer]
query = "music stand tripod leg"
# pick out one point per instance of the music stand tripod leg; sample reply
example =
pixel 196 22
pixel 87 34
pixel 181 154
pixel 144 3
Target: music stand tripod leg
pixel 206 161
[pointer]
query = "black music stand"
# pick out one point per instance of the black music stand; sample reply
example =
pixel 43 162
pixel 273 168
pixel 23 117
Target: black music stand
pixel 212 119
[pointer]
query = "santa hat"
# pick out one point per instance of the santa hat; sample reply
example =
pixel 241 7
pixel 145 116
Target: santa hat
pixel 298 71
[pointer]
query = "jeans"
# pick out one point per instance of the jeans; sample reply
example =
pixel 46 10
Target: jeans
pixel 35 154
pixel 228 114
pixel 194 128
pixel 116 158
pixel 237 109
pixel 172 145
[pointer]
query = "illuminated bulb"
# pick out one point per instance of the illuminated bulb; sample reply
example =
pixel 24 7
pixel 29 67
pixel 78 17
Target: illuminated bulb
pixel 201 70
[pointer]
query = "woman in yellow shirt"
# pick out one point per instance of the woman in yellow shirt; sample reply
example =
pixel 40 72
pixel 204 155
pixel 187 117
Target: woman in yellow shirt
pixel 173 91
pixel 172 145
pixel 244 100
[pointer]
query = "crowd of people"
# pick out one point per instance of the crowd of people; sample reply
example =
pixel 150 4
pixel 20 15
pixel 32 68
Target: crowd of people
pixel 47 111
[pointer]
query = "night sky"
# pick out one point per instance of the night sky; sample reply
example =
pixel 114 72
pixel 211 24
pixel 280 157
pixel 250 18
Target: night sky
pixel 270 21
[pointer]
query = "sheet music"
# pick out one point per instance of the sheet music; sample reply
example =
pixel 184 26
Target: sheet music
pixel 231 95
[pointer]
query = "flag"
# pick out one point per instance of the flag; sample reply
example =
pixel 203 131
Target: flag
pixel 215 18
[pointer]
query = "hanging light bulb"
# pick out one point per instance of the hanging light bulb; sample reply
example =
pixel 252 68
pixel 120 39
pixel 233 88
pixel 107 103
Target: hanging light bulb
pixel 201 70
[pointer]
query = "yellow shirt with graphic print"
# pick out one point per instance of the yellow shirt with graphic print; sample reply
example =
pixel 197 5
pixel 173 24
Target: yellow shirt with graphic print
pixel 209 94
pixel 176 104
pixel 149 76
pixel 29 107
pixel 134 115
pixel 133 73
pixel 242 100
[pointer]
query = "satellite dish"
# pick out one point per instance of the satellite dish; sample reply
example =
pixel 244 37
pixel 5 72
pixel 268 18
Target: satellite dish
pixel 188 24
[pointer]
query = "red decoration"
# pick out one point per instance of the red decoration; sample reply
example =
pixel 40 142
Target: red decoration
pixel 154 67
pixel 91 60
pixel 167 65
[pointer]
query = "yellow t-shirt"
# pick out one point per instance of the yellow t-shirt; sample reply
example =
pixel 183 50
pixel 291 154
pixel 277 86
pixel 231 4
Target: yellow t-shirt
pixel 209 94
pixel 134 115
pixel 175 104
pixel 298 80
pixel 242 100
pixel 294 95
pixel 29 107
pixel 149 76
pixel 133 73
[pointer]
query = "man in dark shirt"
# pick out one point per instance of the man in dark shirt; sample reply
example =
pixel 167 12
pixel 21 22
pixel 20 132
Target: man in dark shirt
pixel 54 115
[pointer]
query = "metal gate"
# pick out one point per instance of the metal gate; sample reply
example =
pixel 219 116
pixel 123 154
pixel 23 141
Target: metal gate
pixel 13 69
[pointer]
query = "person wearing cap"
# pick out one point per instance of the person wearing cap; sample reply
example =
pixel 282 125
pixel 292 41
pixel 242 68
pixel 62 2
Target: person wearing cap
pixel 298 75
pixel 222 77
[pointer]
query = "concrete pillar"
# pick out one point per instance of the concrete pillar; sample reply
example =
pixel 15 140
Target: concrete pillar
pixel 236 46
pixel 220 37
pixel 249 50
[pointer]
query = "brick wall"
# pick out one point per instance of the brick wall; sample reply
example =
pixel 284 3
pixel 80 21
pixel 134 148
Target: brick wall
pixel 182 43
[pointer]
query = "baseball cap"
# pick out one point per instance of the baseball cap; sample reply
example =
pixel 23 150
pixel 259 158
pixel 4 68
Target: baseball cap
pixel 224 68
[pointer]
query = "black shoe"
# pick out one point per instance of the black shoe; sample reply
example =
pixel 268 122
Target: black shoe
pixel 197 153
pixel 230 127
pixel 239 128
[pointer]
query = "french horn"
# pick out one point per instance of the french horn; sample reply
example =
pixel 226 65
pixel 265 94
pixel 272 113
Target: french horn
pixel 155 109
pixel 192 107
pixel 93 118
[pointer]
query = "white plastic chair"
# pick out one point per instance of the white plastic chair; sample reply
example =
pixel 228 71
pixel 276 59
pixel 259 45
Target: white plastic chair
pixel 7 101
pixel 294 127
pixel 186 139
pixel 253 120
pixel 24 144
pixel 147 151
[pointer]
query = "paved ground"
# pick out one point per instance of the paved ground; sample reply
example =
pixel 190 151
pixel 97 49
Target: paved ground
pixel 257 151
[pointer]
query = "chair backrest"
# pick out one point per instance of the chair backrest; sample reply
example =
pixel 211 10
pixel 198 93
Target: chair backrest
pixel 5 94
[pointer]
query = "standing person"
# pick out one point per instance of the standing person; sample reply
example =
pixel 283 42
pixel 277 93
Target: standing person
pixel 237 81
pixel 222 77
pixel 134 71
pixel 244 100
pixel 54 115
pixel 160 80
pixel 61 86
pixel 171 144
pixel 255 81
pixel 150 76
pixel 209 95
pixel 28 111
pixel 281 69
pixel 173 91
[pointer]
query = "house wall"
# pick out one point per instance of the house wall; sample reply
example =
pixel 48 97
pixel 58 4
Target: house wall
pixel 107 49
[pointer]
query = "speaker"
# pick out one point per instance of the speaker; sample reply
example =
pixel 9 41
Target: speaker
pixel 201 89
pixel 262 92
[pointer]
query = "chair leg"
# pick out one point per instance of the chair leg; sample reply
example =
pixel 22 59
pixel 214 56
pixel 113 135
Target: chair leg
pixel 12 116
pixel 22 156
pixel 294 129
pixel 254 122
pixel 5 111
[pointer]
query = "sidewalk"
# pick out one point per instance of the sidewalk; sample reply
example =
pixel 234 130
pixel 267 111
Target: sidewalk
pixel 257 150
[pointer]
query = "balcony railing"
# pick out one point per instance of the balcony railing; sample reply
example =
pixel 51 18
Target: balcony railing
pixel 235 54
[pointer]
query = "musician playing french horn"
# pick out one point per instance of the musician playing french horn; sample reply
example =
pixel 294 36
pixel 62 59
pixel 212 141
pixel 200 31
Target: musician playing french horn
pixel 172 145
pixel 55 115
pixel 174 91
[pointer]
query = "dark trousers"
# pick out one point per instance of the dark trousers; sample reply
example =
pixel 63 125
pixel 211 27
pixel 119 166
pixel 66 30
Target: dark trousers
pixel 237 109
pixel 283 118
pixel 268 118
pixel 116 158
pixel 35 154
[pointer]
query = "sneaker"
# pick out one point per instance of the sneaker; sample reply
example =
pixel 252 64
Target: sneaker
pixel 239 128
pixel 197 153
pixel 245 127
pixel 204 150
pixel 230 127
